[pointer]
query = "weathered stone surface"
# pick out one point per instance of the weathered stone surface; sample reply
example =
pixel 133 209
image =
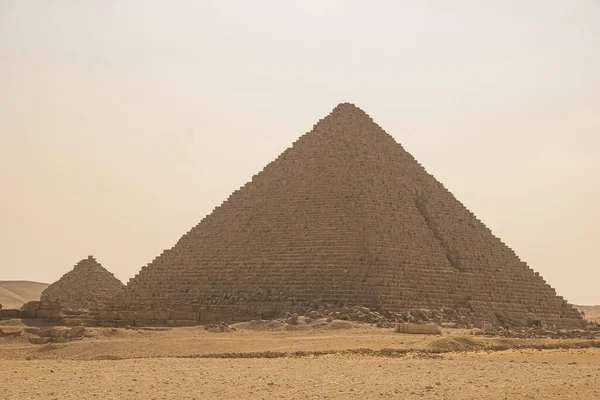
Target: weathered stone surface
pixel 31 306
pixel 10 332
pixel 27 314
pixel 46 314
pixel 178 322
pixel 121 323
pixel 345 216
pixel 10 313
pixel 108 314
pixel 131 315
pixel 149 322
pixel 87 286
pixel 184 315
pixel 162 315
pixel 55 334
pixel 40 340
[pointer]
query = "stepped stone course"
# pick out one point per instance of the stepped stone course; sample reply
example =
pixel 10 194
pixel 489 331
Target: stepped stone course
pixel 345 216
pixel 87 286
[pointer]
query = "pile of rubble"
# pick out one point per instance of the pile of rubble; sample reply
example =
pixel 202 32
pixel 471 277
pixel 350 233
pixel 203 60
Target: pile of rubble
pixel 446 317
pixel 538 332
pixel 56 334
pixel 36 335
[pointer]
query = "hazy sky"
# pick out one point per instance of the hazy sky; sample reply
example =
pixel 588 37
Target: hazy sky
pixel 123 123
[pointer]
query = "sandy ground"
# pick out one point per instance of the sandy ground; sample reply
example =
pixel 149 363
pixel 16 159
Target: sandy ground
pixel 592 313
pixel 138 364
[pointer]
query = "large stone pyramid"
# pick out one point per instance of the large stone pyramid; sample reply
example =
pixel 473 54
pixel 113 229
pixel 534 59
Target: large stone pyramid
pixel 87 286
pixel 345 216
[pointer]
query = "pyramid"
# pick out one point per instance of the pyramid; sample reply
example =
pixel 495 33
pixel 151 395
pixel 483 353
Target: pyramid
pixel 87 286
pixel 348 217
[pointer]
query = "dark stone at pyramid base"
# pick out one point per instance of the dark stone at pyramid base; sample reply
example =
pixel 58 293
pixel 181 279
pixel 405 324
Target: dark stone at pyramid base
pixel 500 314
pixel 346 216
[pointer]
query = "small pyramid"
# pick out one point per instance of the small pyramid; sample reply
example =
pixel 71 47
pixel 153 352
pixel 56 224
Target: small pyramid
pixel 346 216
pixel 87 286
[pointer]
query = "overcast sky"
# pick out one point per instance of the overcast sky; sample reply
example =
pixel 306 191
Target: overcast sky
pixel 123 123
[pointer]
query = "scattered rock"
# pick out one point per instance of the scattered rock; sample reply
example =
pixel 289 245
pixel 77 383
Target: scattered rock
pixel 538 332
pixel 56 334
pixel 218 328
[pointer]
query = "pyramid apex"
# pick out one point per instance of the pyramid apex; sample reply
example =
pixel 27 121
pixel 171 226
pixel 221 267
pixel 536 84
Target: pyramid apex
pixel 346 107
pixel 346 104
pixel 87 262
pixel 347 110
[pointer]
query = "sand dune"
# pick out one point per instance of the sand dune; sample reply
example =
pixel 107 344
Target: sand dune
pixel 592 313
pixel 14 293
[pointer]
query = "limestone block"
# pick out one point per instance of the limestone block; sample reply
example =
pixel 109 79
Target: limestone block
pixel 121 323
pixel 127 315
pixel 162 315
pixel 28 314
pixel 149 322
pixel 11 333
pixel 76 331
pixel 145 314
pixel 244 317
pixel 40 340
pixel 44 314
pixel 177 322
pixel 207 316
pixel 108 314
pixel 31 306
pixel 184 315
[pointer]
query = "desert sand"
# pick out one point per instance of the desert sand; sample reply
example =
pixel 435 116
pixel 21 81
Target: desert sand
pixel 13 294
pixel 592 313
pixel 266 360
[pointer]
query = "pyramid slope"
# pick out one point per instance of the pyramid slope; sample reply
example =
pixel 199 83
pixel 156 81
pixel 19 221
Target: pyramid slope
pixel 346 216
pixel 87 286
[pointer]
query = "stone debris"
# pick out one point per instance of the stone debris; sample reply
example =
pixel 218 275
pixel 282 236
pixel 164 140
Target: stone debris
pixel 56 334
pixel 218 328
pixel 347 216
pixel 7 333
pixel 540 333
pixel 444 317
pixel 82 290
